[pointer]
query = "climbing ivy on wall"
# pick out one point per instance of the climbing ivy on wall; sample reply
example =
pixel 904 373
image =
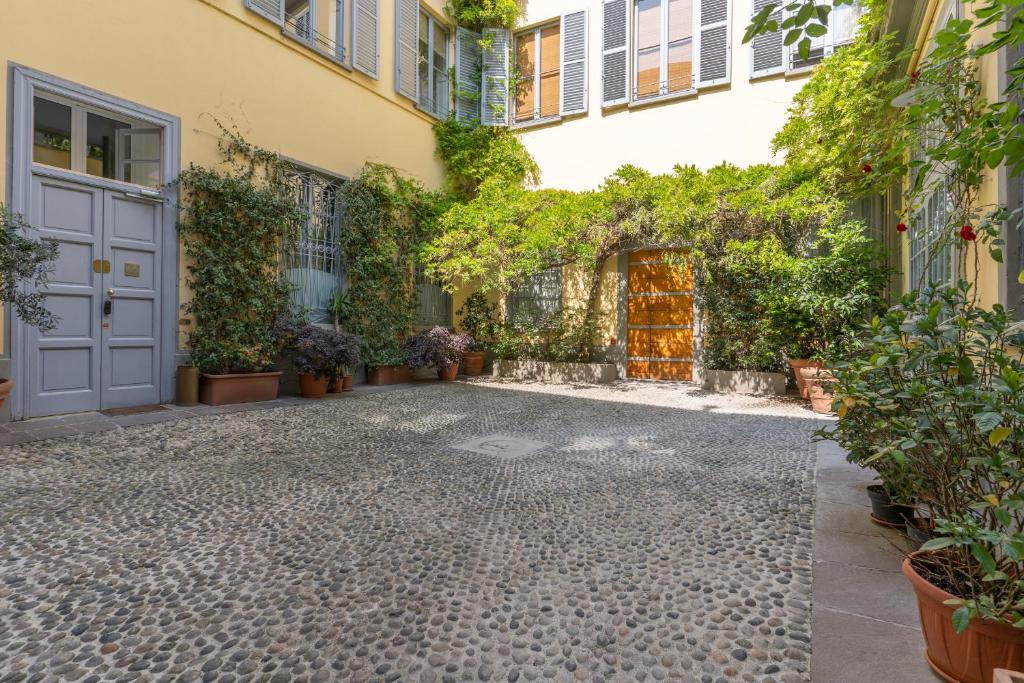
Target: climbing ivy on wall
pixel 388 218
pixel 233 219
pixel 477 14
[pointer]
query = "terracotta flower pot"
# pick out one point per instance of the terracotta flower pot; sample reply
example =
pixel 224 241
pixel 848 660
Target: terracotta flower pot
pixel 218 390
pixel 389 374
pixel 346 383
pixel 815 379
pixel 473 363
pixel 5 390
pixel 449 373
pixel 968 657
pixel 797 364
pixel 312 386
pixel 334 386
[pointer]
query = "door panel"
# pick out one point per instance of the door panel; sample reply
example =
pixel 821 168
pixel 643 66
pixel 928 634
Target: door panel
pixel 63 365
pixel 659 317
pixel 131 358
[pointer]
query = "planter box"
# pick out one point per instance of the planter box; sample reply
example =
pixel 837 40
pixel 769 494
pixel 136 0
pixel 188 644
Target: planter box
pixel 389 374
pixel 745 382
pixel 219 390
pixel 582 373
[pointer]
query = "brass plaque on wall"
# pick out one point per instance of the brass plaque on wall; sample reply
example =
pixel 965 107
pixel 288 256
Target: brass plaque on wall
pixel 131 270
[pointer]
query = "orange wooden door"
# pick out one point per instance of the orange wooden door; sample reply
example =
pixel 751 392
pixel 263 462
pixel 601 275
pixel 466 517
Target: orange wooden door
pixel 660 315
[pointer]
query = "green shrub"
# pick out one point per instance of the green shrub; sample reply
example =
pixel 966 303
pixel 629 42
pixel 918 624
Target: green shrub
pixel 563 337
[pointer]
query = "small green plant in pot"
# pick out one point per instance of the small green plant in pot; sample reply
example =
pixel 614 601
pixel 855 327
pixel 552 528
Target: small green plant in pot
pixel 479 320
pixel 25 266
pixel 438 347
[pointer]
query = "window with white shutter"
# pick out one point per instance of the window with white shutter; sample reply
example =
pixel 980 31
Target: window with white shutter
pixel 494 84
pixel 767 52
pixel 713 42
pixel 366 36
pixel 615 53
pixel 271 9
pixel 574 63
pixel 467 75
pixel 407 29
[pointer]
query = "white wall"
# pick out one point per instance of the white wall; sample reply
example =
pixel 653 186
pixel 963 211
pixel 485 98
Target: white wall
pixel 733 122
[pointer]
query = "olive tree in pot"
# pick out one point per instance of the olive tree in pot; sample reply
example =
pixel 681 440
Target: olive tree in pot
pixel 948 394
pixel 479 321
pixel 340 307
pixel 438 347
pixel 25 266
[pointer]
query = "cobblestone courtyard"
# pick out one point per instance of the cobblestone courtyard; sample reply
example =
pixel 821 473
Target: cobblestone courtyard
pixel 654 533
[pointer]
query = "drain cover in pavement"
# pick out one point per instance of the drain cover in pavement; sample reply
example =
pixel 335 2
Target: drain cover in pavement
pixel 500 446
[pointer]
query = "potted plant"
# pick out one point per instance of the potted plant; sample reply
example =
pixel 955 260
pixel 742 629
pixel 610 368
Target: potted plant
pixel 479 320
pixel 346 356
pixel 341 309
pixel 938 386
pixel 25 266
pixel 438 347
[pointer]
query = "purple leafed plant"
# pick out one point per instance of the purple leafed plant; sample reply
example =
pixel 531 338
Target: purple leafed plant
pixel 438 347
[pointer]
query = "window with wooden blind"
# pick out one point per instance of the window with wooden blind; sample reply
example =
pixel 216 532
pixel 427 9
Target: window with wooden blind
pixel 664 47
pixel 538 67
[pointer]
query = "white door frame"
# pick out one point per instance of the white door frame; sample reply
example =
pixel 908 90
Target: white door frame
pixel 25 83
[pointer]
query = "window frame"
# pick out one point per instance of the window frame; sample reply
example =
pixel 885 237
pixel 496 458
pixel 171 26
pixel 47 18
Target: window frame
pixel 334 50
pixel 79 153
pixel 526 293
pixel 828 47
pixel 432 22
pixel 537 31
pixel 294 245
pixel 663 52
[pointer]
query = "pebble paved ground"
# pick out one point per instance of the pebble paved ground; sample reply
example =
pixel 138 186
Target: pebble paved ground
pixel 663 534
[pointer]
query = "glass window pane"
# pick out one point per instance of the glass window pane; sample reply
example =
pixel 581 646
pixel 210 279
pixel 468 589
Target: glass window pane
pixel 51 143
pixel 550 70
pixel 526 47
pixel 680 45
pixel 648 45
pixel 101 145
pixel 440 70
pixel 298 18
pixel 423 60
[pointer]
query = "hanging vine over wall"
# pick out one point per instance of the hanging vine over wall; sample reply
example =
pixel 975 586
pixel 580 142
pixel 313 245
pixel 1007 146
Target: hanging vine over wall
pixel 478 14
pixel 387 220
pixel 232 222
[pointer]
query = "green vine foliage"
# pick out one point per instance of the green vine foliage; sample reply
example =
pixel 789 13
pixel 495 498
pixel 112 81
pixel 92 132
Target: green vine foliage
pixel 232 224
pixel 388 218
pixel 25 266
pixel 472 154
pixel 478 14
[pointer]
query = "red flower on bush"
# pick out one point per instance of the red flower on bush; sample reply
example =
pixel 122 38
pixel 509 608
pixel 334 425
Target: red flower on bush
pixel 901 227
pixel 967 233
pixel 914 76
pixel 867 168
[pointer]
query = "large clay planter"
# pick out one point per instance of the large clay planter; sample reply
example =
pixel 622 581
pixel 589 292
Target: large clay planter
pixel 219 390
pixel 5 390
pixel 968 657
pixel 449 373
pixel 389 374
pixel 815 379
pixel 346 383
pixel 797 365
pixel 473 363
pixel 313 386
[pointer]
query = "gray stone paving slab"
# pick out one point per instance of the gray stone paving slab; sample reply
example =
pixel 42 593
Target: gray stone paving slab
pixel 665 534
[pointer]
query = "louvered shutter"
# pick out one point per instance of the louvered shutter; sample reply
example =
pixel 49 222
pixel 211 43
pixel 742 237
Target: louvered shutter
pixel 467 75
pixel 574 63
pixel 713 53
pixel 494 85
pixel 767 53
pixel 407 30
pixel 365 36
pixel 615 52
pixel 271 9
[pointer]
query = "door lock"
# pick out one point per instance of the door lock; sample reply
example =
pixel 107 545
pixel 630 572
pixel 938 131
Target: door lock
pixel 108 304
